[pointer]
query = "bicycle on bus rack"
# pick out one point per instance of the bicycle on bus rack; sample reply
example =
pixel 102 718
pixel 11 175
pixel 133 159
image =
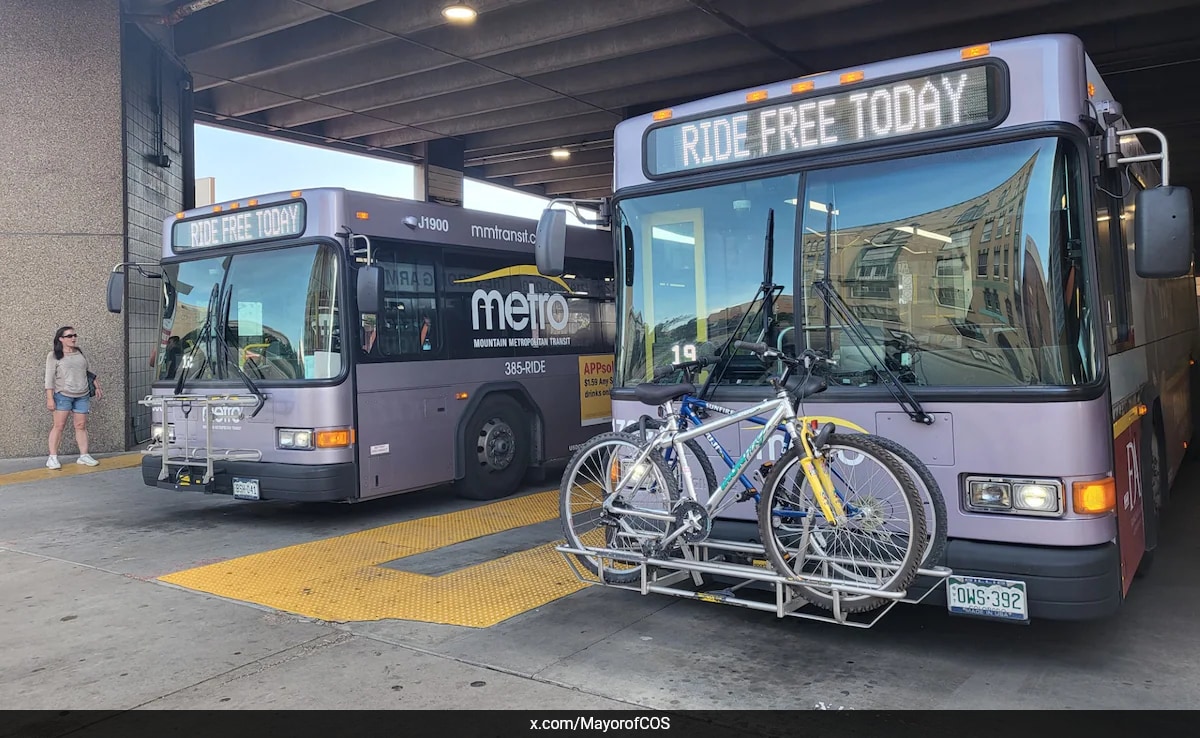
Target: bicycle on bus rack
pixel 837 546
pixel 692 410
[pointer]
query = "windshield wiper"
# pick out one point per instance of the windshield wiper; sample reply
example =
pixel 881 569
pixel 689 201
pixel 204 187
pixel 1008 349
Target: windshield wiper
pixel 222 326
pixel 769 290
pixel 203 336
pixel 834 304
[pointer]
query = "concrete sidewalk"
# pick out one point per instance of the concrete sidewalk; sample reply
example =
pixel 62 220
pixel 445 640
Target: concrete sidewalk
pixel 88 622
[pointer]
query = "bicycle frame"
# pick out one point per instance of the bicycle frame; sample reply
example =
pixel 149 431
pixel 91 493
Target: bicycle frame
pixel 782 414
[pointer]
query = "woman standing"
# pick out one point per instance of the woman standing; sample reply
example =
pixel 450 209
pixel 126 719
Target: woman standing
pixel 67 392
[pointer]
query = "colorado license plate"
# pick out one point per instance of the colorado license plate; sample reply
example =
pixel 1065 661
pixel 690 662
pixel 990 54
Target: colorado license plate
pixel 245 489
pixel 989 598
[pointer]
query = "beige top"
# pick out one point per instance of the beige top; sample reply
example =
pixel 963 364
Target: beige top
pixel 68 375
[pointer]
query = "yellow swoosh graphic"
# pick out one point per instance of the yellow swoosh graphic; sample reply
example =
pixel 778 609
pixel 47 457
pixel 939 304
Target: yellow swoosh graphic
pixel 515 271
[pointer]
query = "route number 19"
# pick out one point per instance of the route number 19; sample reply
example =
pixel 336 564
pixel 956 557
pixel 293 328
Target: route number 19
pixel 688 352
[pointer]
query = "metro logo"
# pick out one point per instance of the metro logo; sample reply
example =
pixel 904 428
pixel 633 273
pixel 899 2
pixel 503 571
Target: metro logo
pixel 517 310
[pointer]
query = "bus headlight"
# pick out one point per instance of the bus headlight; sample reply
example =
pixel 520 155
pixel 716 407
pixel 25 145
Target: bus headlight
pixel 294 438
pixel 1013 496
pixel 156 432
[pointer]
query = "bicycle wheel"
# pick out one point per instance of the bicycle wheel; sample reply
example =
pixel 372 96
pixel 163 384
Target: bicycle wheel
pixel 931 498
pixel 700 468
pixel 591 475
pixel 879 546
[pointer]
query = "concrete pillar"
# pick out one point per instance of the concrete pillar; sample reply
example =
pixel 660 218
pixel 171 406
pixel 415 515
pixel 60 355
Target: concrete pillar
pixel 83 186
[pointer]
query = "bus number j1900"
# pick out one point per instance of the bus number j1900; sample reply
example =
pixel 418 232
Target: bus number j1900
pixel 433 224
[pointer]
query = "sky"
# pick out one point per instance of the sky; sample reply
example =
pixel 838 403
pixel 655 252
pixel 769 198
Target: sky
pixel 245 165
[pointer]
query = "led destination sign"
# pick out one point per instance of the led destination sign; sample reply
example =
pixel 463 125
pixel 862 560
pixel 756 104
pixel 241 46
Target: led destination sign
pixel 243 225
pixel 928 104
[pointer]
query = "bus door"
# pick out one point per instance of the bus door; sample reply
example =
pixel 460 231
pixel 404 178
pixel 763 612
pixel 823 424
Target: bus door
pixel 404 395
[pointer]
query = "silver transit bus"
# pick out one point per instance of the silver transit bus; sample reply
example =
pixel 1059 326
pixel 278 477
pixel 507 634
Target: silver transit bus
pixel 331 345
pixel 1017 272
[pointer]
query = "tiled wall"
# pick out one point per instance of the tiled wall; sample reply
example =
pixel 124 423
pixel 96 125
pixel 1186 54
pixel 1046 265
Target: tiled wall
pixel 155 102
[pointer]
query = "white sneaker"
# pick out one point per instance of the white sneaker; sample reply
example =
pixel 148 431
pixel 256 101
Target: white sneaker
pixel 52 463
pixel 87 460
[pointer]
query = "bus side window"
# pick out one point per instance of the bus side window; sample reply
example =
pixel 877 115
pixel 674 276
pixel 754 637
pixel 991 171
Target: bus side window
pixel 1112 254
pixel 408 327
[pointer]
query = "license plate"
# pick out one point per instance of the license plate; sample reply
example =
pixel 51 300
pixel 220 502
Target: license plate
pixel 989 598
pixel 245 489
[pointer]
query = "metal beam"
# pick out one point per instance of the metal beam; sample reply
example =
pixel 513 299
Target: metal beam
pixel 229 23
pixel 397 80
pixel 516 117
pixel 510 27
pixel 586 194
pixel 565 172
pixel 409 88
pixel 578 185
pixel 544 163
pixel 493 100
pixel 476 154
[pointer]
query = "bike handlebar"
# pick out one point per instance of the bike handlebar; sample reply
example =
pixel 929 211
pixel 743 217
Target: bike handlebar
pixel 700 363
pixel 806 357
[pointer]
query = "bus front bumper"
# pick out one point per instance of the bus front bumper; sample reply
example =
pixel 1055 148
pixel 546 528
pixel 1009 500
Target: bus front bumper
pixel 258 480
pixel 1076 583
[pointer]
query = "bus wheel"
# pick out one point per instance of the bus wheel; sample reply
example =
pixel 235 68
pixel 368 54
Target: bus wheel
pixel 496 453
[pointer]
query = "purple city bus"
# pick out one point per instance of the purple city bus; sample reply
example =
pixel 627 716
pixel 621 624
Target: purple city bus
pixel 1018 272
pixel 331 345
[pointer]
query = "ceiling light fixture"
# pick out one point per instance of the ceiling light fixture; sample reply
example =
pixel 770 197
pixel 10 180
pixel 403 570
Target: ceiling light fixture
pixel 560 154
pixel 459 13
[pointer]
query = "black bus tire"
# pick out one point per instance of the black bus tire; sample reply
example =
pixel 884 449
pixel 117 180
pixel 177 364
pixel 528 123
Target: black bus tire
pixel 495 451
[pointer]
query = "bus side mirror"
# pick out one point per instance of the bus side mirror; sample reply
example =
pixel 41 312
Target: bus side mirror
pixel 370 290
pixel 116 291
pixel 1163 233
pixel 551 244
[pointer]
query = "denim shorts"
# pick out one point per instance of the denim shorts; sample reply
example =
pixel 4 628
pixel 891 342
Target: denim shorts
pixel 78 405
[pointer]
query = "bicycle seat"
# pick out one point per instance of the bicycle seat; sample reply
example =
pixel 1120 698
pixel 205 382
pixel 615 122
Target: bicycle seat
pixel 803 387
pixel 656 394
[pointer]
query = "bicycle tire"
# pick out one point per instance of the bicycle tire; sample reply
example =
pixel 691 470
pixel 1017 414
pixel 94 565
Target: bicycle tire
pixel 937 532
pixel 710 475
pixel 565 511
pixel 907 569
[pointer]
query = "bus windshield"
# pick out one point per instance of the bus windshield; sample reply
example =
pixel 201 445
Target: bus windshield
pixel 274 313
pixel 964 268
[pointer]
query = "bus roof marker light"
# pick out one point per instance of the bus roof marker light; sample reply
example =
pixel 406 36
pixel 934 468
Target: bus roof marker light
pixel 252 202
pixel 974 52
pixel 756 96
pixel 460 395
pixel 851 77
pixel 362 215
pixel 297 193
pixel 806 86
pixel 459 13
pixel 664 114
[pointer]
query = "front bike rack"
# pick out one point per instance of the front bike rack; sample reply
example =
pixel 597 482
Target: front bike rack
pixel 177 451
pixel 711 557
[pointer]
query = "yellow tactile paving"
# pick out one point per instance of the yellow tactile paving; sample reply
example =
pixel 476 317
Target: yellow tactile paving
pixel 70 469
pixel 340 579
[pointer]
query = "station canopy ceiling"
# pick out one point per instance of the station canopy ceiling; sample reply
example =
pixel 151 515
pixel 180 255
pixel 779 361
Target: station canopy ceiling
pixel 383 77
